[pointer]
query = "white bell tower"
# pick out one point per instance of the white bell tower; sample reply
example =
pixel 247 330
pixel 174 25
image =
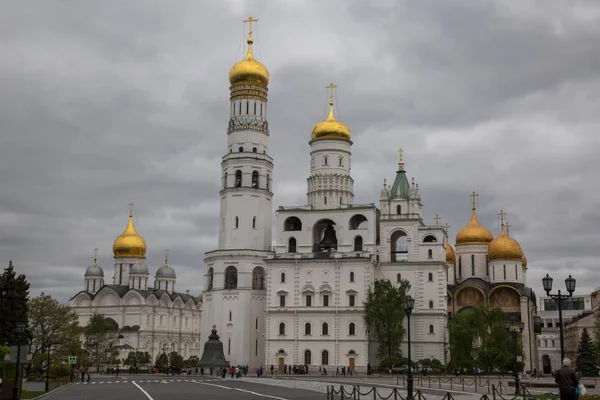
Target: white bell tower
pixel 235 295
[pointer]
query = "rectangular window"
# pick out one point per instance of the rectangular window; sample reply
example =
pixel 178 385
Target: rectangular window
pixel 253 222
pixel 325 300
pixel 550 324
pixel 308 301
pixel 254 108
pixel 504 271
pixel 516 272
pixel 281 301
pixel 473 264
pixel 351 299
pixel 256 343
pixel 256 323
pixel 229 346
pixel 261 109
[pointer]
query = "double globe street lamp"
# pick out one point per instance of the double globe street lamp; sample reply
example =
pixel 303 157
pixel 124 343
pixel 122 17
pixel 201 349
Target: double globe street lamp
pixel 515 331
pixel 559 299
pixel 409 304
pixel 20 330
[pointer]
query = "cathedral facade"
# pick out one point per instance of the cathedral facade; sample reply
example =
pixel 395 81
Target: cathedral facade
pixel 155 319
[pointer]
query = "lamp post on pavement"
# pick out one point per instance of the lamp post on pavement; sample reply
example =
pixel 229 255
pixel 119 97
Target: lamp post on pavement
pixel 48 345
pixel 409 304
pixel 20 330
pixel 514 332
pixel 559 299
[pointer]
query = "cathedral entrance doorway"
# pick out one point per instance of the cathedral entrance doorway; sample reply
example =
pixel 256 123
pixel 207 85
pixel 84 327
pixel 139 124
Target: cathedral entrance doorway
pixel 546 364
pixel 351 363
pixel 281 363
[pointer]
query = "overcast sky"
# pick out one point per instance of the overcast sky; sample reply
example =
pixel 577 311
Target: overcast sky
pixel 109 102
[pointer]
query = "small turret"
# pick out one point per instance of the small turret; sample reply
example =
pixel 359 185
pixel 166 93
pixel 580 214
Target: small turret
pixel 165 276
pixel 94 276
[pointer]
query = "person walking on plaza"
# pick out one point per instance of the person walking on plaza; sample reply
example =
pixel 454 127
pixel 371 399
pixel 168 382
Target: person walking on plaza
pixel 567 381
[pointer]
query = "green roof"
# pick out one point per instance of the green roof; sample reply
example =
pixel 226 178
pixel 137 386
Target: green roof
pixel 400 188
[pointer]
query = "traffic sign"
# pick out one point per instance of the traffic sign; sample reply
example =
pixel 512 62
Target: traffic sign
pixel 72 360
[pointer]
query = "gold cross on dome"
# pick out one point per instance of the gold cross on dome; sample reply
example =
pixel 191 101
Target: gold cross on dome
pixel 166 256
pixel 437 219
pixel 331 86
pixel 130 209
pixel 502 214
pixel 400 152
pixel 474 196
pixel 507 226
pixel 447 228
pixel 95 255
pixel 250 20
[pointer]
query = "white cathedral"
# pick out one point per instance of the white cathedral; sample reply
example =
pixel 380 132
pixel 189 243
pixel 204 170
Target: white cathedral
pixel 298 299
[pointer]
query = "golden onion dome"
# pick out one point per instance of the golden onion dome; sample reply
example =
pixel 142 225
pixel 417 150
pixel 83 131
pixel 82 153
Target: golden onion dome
pixel 249 70
pixel 129 243
pixel 474 233
pixel 331 128
pixel 503 247
pixel 450 254
pixel 524 261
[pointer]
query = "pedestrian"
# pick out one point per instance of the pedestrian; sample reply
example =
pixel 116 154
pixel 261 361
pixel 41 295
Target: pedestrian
pixel 118 369
pixel 567 381
pixel 87 372
pixel 82 372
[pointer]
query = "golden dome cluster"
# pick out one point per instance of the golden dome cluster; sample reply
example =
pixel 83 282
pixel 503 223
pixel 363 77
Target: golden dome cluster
pixel 450 254
pixel 249 70
pixel 503 247
pixel 331 128
pixel 129 243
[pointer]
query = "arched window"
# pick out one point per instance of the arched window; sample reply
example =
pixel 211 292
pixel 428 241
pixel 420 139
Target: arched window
pixel 430 276
pixel 504 266
pixel 351 329
pixel 283 277
pixel 325 160
pixel 399 246
pixel 307 328
pixel 210 277
pixel 238 178
pixel 431 329
pixel 161 320
pixel 225 180
pixel 358 221
pixel 268 182
pixel 292 245
pixel 429 253
pixel 231 277
pixel 292 224
pixel 254 149
pixel 254 179
pixel 430 239
pixel 230 315
pixel 237 222
pixel 459 266
pixel 148 320
pixel 398 278
pixel 398 209
pixel 358 243
pixel 431 304
pixel 325 329
pixel 241 149
pixel 351 276
pixel 307 357
pixel 258 278
pixel 253 222
pixel 281 328
pixel 325 357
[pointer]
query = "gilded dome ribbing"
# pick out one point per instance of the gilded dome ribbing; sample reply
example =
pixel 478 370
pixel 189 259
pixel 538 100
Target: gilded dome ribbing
pixel 474 233
pixel 129 243
pixel 249 70
pixel 331 128
pixel 503 247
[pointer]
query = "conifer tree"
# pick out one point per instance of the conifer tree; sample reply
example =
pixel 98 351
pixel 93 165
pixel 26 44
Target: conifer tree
pixel 586 356
pixel 14 293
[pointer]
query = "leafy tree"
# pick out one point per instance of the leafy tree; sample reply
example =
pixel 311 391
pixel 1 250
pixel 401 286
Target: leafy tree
pixel 597 335
pixel 384 315
pixel 137 358
pixel 586 355
pixel 99 336
pixel 14 292
pixel 51 321
pixel 478 338
pixel 192 362
pixel 175 360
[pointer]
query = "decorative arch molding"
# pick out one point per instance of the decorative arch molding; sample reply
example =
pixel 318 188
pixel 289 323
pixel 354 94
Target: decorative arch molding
pixel 108 298
pixel 231 297
pixel 165 300
pixel 469 286
pixel 260 298
pixel 308 288
pixel 324 288
pixel 430 238
pixel 469 296
pixel 133 295
pixel 281 352
pixel 352 353
pixel 495 288
pixel 178 303
pixel 393 231
pixel 152 300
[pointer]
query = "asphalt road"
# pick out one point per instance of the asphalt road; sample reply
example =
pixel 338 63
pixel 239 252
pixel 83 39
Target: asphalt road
pixel 185 388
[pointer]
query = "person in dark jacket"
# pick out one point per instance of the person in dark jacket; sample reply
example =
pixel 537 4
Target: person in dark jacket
pixel 567 381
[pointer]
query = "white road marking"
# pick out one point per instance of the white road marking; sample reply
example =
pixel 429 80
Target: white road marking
pixel 259 394
pixel 143 391
pixel 213 384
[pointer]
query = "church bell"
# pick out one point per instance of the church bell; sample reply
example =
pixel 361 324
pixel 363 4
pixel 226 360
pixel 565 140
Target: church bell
pixel 213 356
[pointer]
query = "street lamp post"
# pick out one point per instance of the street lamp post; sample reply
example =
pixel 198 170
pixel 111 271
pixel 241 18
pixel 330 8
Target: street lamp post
pixel 409 304
pixel 165 359
pixel 48 344
pixel 515 334
pixel 559 299
pixel 20 330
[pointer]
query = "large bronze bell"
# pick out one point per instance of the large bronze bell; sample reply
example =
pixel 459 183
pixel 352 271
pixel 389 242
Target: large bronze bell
pixel 213 356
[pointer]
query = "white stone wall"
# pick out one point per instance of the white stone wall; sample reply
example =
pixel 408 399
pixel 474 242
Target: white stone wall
pixel 514 271
pixel 330 185
pixel 465 267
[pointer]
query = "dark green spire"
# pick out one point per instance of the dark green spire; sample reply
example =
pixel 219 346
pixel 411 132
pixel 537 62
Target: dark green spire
pixel 401 187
